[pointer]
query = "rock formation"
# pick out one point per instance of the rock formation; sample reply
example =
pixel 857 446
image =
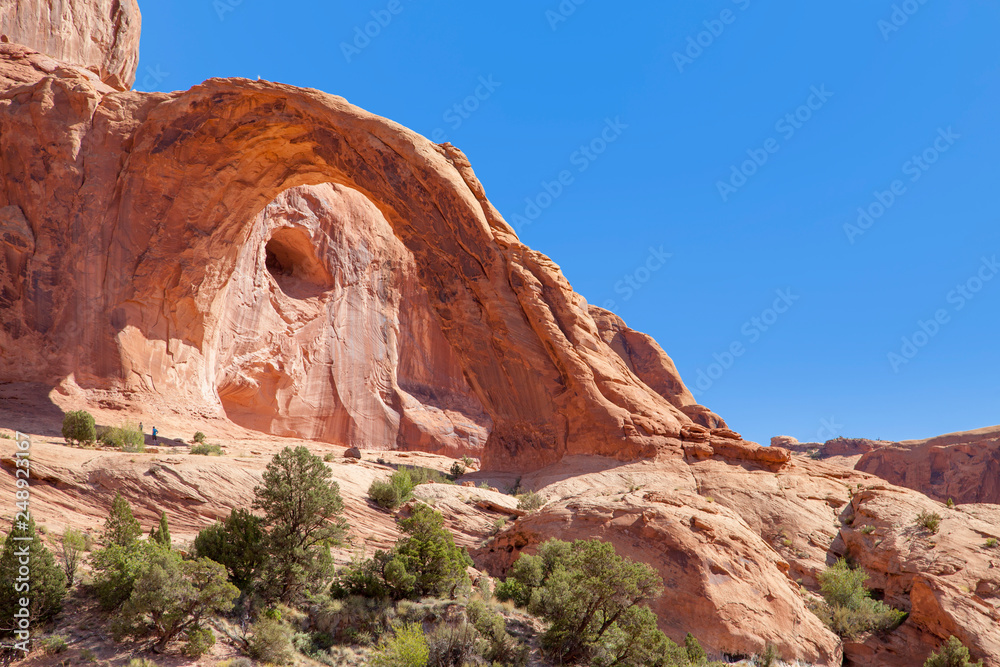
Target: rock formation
pixel 119 269
pixel 964 467
pixel 101 36
pixel 271 260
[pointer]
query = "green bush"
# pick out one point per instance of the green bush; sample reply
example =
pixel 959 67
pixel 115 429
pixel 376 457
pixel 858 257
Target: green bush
pixel 868 529
pixel 121 528
pixel 161 534
pixel 592 598
pixel 695 653
pixel 850 609
pixel 393 493
pixel 239 544
pixel 199 437
pixel 171 597
pixel 54 644
pixel 991 543
pixel 46 581
pixel 127 438
pixel 953 654
pixel 328 457
pixel 78 428
pixel 405 647
pixel 270 642
pixel 929 520
pixel 206 450
pixel 198 640
pixel 530 501
pixel 72 545
pixel 500 646
pixel 426 563
pixel 457 470
pixel 769 657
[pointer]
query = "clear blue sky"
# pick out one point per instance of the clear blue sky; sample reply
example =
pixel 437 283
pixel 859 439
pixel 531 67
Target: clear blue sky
pixel 922 84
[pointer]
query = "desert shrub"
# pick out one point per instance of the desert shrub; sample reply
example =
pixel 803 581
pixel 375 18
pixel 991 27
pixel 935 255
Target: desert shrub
pixel 393 493
pixel 692 648
pixel 199 437
pixel 54 644
pixel 592 599
pixel 72 545
pixel 991 543
pixel 405 647
pixel 500 646
pixel 419 475
pixel 952 654
pixel 850 609
pixel 929 520
pixel 530 501
pixel 301 507
pixel 127 438
pixel 173 596
pixel 161 535
pixel 121 528
pixel 768 658
pixel 204 449
pixel 239 544
pixel 141 662
pixel 46 581
pixel 467 461
pixel 199 640
pixel 950 504
pixel 116 569
pixel 457 470
pixel 425 563
pixel 868 529
pixel 270 641
pixel 454 644
pixel 78 428
pixel 328 457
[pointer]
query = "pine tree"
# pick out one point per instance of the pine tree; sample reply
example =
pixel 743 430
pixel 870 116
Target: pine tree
pixel 121 528
pixel 45 579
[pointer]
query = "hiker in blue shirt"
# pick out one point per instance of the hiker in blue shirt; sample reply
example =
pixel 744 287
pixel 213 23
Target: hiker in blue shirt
pixel 154 434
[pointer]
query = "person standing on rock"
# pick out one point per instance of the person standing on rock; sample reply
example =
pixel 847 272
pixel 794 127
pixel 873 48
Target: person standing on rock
pixel 154 434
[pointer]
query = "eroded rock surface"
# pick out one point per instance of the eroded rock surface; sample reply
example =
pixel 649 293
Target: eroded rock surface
pixel 100 35
pixel 146 240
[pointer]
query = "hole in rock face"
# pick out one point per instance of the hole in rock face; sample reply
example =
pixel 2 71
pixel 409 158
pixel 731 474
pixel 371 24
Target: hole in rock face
pixel 290 258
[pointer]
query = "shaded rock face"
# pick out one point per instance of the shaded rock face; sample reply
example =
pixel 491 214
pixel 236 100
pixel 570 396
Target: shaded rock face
pixel 131 219
pixel 101 36
pixel 326 333
pixel 962 466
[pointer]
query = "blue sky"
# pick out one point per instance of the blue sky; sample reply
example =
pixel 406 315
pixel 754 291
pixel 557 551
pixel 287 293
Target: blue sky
pixel 714 157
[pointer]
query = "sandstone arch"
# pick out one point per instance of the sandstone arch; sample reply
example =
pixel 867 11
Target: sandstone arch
pixel 168 187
